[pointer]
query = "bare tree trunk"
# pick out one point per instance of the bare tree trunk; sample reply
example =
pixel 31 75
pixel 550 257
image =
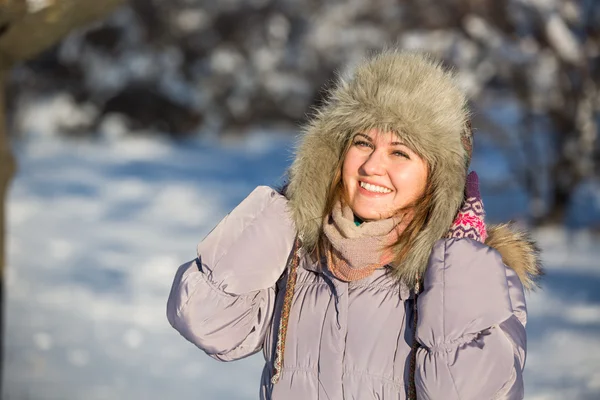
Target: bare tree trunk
pixel 32 30
pixel 7 170
pixel 26 29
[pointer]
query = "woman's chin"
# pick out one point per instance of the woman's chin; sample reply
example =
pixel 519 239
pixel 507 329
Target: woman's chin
pixel 367 213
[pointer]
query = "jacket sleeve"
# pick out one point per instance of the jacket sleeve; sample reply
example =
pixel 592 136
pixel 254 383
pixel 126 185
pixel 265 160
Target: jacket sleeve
pixel 223 301
pixel 471 325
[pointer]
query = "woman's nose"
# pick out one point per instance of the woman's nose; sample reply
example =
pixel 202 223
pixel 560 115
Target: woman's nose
pixel 374 164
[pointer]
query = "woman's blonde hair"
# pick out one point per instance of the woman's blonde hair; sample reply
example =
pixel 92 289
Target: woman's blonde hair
pixel 421 206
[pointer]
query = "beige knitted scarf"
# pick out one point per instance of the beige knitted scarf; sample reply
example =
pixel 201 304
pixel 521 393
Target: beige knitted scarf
pixel 355 252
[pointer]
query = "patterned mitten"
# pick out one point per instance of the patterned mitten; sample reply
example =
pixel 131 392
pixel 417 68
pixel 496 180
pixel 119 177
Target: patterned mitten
pixel 469 222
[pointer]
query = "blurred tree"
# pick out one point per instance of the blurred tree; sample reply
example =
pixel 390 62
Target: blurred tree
pixel 545 56
pixel 237 65
pixel 26 29
pixel 548 56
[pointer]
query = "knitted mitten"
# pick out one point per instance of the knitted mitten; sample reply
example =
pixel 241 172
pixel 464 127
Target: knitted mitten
pixel 469 222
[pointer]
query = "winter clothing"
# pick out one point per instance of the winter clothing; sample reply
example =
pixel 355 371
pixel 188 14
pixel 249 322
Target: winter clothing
pixel 353 339
pixel 356 251
pixel 469 222
pixel 330 338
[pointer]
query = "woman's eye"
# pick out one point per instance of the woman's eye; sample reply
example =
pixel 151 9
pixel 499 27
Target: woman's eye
pixel 362 143
pixel 401 154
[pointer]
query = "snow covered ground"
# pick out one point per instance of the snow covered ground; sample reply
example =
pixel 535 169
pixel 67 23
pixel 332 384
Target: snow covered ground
pixel 97 230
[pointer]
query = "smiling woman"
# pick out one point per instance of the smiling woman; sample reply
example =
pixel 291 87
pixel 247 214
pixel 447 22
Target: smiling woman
pixel 381 176
pixel 371 275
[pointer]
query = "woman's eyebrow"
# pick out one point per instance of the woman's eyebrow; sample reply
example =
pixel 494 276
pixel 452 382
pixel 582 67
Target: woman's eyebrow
pixel 364 136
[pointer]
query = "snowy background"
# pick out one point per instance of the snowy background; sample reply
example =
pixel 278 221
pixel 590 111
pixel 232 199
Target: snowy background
pixel 135 135
pixel 97 230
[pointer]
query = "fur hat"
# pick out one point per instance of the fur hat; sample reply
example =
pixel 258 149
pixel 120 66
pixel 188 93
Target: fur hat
pixel 410 94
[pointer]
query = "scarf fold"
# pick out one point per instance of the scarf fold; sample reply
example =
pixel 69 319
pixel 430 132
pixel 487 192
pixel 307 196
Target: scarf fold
pixel 355 252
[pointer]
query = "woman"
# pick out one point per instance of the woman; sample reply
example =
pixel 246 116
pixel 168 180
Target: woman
pixel 373 275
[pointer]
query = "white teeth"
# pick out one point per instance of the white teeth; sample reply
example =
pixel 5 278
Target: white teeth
pixel 373 188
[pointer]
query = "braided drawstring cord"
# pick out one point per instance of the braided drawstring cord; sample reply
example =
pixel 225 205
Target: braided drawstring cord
pixel 285 311
pixel 412 387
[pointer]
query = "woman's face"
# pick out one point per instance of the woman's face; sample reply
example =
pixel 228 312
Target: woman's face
pixel 381 175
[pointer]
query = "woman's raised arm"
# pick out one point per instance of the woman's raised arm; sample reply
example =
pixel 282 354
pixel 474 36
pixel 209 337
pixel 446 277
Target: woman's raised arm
pixel 223 300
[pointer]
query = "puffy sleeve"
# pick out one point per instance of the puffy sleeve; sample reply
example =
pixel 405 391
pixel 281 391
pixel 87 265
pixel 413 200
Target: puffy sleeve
pixel 471 325
pixel 223 300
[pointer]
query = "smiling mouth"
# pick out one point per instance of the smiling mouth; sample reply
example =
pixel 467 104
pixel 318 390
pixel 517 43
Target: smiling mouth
pixel 374 188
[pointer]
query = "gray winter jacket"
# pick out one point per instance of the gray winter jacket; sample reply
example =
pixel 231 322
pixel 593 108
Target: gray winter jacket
pixel 353 340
